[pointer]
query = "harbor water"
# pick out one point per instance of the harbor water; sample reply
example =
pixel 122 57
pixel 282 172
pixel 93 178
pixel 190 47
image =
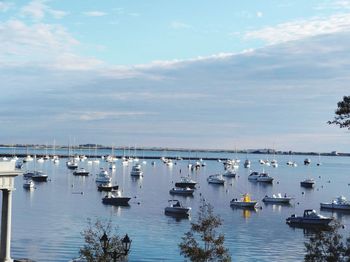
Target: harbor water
pixel 47 222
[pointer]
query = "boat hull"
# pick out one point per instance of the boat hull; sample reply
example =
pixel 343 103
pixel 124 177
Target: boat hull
pixel 306 184
pixel 335 206
pixel 184 185
pixel 242 204
pixel 39 178
pixel 308 221
pixel 116 201
pixel 177 210
pixel 277 200
pixel 181 192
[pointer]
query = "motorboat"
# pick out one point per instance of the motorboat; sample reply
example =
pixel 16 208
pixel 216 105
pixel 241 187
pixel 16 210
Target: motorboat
pixel 176 208
pixel 136 170
pixel 186 182
pixel 107 187
pixel 28 184
pixel 216 179
pixel 28 158
pixel 274 163
pixel 246 163
pixel 81 172
pixel 292 164
pixel 307 161
pixel 340 203
pixel 112 166
pixel 30 174
pixel 264 177
pixel 229 173
pixel 308 183
pixel 244 202
pixel 103 177
pixel 253 176
pixel 116 198
pixel 72 164
pixel 277 199
pixel 181 191
pixel 39 177
pixel 40 160
pixel 310 217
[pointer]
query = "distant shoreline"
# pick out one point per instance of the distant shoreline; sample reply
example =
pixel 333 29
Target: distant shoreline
pixel 247 151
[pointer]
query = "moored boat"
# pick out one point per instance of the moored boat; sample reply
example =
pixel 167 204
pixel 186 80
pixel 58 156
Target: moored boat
pixel 307 183
pixel 28 184
pixel 310 217
pixel 186 182
pixel 229 173
pixel 107 187
pixel 340 203
pixel 277 199
pixel 103 177
pixel 115 198
pixel 244 202
pixel 81 172
pixel 176 208
pixel 216 179
pixel 181 191
pixel 136 170
pixel 264 177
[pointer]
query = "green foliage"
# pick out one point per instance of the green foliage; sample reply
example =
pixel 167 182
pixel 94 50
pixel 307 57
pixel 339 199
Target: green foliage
pixel 211 247
pixel 327 246
pixel 342 114
pixel 92 250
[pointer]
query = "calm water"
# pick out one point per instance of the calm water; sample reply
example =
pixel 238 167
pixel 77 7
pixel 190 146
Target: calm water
pixel 48 220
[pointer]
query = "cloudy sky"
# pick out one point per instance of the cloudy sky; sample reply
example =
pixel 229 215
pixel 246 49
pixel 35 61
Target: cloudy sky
pixel 184 73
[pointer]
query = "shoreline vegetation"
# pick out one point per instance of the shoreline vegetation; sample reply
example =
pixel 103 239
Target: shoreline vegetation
pixel 103 147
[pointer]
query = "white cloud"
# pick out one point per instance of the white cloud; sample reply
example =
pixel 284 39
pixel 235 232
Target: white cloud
pixel 179 25
pixel 301 29
pixel 338 4
pixel 43 44
pixel 37 10
pixel 4 7
pixel 259 14
pixel 95 13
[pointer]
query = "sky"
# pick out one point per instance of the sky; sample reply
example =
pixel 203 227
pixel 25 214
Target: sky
pixel 185 73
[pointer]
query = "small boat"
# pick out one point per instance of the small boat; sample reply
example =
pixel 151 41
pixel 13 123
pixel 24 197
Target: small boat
pixel 103 177
pixel 115 198
pixel 107 187
pixel 81 172
pixel 307 161
pixel 246 163
pixel 277 199
pixel 307 183
pixel 264 177
pixel 28 184
pixel 176 208
pixel 136 170
pixel 216 179
pixel 30 174
pixel 244 202
pixel 72 164
pixel 340 203
pixel 40 160
pixel 28 158
pixel 181 191
pixel 310 217
pixel 39 177
pixel 253 176
pixel 229 173
pixel 186 182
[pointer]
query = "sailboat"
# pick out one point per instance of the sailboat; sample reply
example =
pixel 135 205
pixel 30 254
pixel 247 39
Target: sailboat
pixel 319 160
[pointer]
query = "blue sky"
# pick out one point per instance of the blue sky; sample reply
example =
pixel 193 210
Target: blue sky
pixel 200 74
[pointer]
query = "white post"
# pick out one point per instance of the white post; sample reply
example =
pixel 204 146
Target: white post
pixel 5 255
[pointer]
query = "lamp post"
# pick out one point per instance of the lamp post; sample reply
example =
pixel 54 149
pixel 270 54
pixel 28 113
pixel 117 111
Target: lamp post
pixel 115 254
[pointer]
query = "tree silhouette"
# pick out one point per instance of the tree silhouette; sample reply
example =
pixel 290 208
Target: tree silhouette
pixel 342 114
pixel 211 247
pixel 92 250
